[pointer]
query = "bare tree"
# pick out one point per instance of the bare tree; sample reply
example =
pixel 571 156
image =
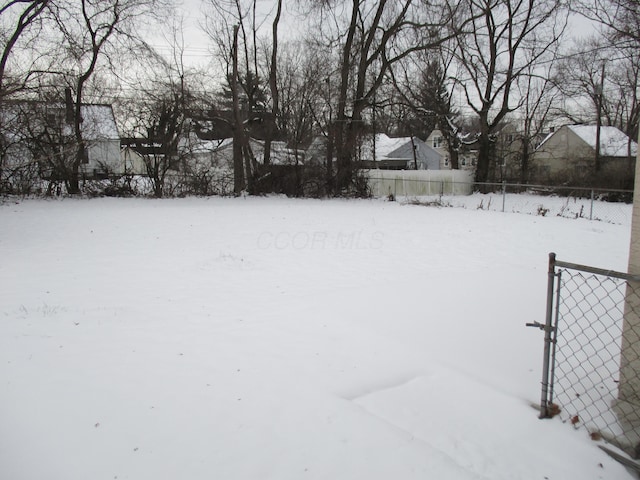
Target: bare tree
pixel 239 142
pixel 621 19
pixel 423 89
pixel 580 77
pixel 164 121
pixel 302 93
pixel 599 81
pixel 376 36
pixel 273 85
pixel 161 125
pixel 227 24
pixel 33 145
pixel 17 19
pixel 27 17
pixel 508 37
pixel 623 94
pixel 89 29
pixel 539 94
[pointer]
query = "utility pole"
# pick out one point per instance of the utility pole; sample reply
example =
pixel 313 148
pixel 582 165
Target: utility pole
pixel 599 93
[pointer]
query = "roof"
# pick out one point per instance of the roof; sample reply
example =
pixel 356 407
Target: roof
pixel 386 145
pixel 406 150
pixel 98 122
pixel 280 154
pixel 613 142
pixel 195 144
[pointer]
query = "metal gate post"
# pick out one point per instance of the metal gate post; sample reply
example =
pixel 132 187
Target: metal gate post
pixel 548 329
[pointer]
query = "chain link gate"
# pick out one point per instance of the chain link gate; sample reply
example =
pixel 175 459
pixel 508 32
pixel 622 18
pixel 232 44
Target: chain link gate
pixel 585 344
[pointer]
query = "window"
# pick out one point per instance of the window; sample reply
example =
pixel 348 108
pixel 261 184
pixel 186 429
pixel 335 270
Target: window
pixel 464 161
pixel 446 161
pixel 437 142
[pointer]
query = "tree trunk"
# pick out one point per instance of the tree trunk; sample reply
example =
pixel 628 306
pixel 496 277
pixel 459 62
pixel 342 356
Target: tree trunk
pixel 329 171
pixel 346 147
pixel 484 156
pixel 453 157
pixel 238 169
pixel 413 152
pixel 524 162
pixel 73 182
pixel 273 86
pixel 343 153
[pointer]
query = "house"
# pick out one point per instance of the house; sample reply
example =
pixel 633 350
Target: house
pixel 403 153
pixel 436 141
pixel 568 156
pixel 467 150
pixel 132 159
pixel 100 132
pixel 42 133
pixel 283 174
pixel 219 153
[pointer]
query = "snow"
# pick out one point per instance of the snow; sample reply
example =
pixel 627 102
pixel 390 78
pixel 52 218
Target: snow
pixel 386 145
pixel 275 338
pixel 541 205
pixel 613 142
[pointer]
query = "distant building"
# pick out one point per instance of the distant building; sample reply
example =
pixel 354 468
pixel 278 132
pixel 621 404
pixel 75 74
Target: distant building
pixel 42 134
pixel 219 153
pixel 402 153
pixel 568 156
pixel 467 150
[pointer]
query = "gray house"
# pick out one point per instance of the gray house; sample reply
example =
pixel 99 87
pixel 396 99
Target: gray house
pixel 402 153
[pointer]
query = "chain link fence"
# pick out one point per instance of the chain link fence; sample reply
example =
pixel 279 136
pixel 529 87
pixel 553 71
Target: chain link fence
pixel 612 206
pixel 591 375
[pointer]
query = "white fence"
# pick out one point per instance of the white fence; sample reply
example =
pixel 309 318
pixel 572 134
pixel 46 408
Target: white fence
pixel 416 183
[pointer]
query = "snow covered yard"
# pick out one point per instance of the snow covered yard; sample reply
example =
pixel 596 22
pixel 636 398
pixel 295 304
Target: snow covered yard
pixel 272 338
pixel 530 204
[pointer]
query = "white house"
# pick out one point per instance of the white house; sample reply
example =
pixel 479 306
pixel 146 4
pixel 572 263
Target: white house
pixel 41 133
pixel 100 132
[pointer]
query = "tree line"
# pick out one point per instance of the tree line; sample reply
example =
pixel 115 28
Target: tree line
pixel 359 67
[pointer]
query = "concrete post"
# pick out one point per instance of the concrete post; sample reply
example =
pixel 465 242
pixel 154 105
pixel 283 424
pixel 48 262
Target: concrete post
pixel 628 405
